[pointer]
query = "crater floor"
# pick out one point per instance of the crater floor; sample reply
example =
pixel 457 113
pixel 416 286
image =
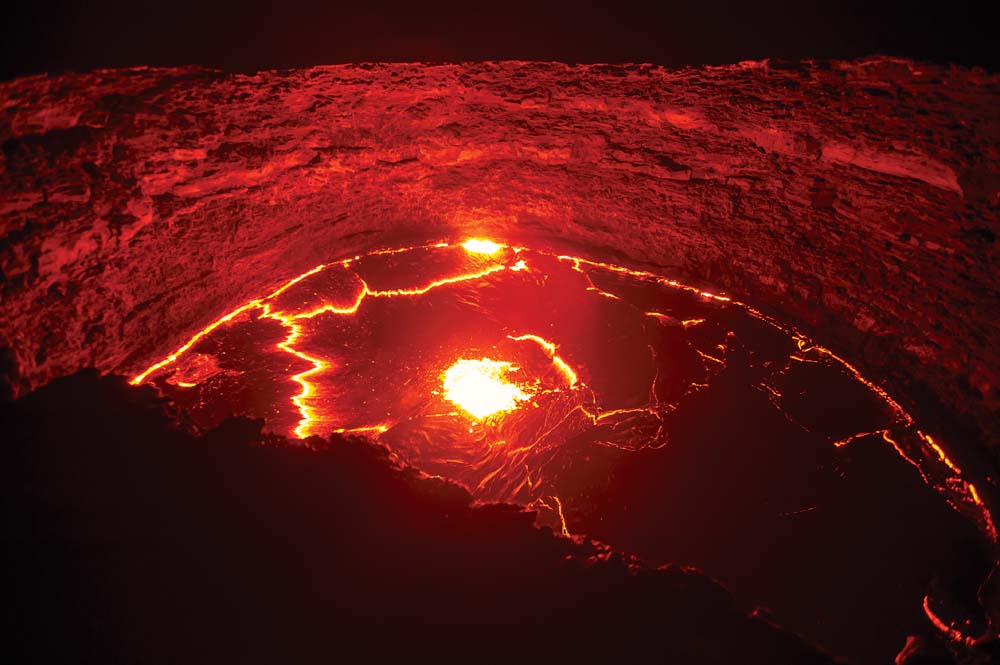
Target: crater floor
pixel 664 420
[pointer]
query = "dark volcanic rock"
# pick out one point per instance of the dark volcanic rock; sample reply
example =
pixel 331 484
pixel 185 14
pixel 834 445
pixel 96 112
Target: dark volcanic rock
pixel 856 199
pixel 126 540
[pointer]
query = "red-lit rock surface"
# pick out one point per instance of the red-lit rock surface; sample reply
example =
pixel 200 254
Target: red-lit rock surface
pixel 859 200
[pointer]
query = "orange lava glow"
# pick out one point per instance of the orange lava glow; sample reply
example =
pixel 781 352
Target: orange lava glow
pixel 550 348
pixel 948 630
pixel 555 505
pixel 289 321
pixel 139 378
pixel 480 387
pixel 970 489
pixel 481 246
pixel 294 330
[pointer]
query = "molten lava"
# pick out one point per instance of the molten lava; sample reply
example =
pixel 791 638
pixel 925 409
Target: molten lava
pixel 480 387
pixel 481 246
pixel 492 295
pixel 661 418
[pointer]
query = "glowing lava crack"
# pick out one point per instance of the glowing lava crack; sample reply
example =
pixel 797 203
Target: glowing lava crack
pixel 534 378
pixel 479 387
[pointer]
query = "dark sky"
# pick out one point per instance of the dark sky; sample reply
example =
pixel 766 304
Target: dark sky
pixel 57 35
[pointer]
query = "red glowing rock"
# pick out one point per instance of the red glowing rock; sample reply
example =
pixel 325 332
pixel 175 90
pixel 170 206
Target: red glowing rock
pixel 858 200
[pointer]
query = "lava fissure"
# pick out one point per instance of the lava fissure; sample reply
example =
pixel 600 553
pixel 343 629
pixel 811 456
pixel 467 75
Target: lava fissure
pixel 488 249
pixel 518 373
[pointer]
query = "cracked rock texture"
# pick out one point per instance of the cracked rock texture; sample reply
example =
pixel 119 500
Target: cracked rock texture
pixel 857 200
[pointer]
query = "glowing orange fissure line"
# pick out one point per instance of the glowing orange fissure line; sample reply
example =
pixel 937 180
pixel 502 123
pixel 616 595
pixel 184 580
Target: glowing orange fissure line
pixel 804 344
pixel 577 262
pixel 950 631
pixel 550 348
pixel 940 453
pixel 289 321
pixel 480 246
pixel 970 489
pixel 379 429
pixel 562 516
pixel 305 413
pixel 564 531
pixel 191 342
pixel 307 416
pixel 594 418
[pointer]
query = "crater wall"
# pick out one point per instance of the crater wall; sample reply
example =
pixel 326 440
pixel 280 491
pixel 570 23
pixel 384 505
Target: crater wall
pixel 857 200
